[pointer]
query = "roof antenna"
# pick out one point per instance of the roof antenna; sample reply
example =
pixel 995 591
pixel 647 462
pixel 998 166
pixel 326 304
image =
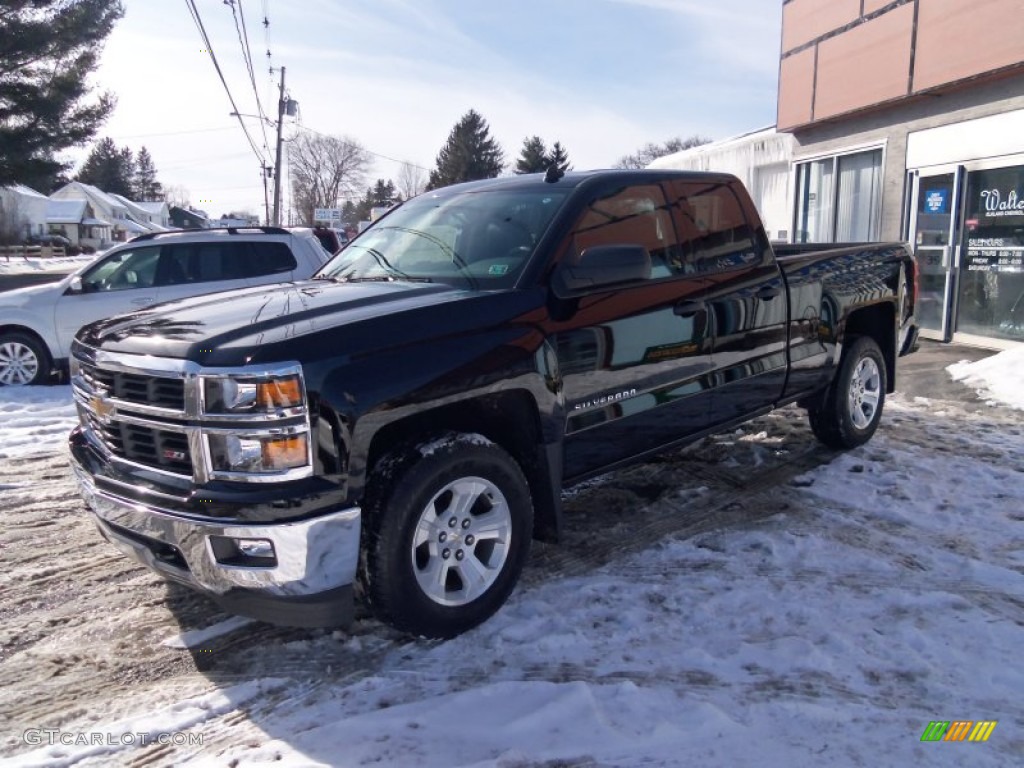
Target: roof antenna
pixel 553 174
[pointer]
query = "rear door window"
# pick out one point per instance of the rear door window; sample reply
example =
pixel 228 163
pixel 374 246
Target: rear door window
pixel 269 258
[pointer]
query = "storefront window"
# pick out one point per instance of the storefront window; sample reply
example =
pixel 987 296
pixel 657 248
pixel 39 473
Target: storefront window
pixel 839 199
pixel 991 301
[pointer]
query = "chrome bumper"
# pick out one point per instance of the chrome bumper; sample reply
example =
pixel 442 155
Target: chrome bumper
pixel 313 557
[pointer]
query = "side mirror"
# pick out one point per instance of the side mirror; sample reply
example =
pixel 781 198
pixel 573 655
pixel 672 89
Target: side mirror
pixel 75 286
pixel 602 266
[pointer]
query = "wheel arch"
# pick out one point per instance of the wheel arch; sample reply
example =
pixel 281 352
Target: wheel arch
pixel 877 321
pixel 509 419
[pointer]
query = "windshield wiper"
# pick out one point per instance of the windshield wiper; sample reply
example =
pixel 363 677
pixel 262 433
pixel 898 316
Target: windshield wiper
pixel 457 260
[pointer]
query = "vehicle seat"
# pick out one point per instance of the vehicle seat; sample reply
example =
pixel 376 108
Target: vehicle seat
pixel 503 239
pixel 169 271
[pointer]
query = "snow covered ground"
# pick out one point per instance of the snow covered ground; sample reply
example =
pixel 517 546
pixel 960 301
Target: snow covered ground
pixel 752 600
pixel 15 265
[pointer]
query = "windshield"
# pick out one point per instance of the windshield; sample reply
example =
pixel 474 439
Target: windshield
pixel 479 239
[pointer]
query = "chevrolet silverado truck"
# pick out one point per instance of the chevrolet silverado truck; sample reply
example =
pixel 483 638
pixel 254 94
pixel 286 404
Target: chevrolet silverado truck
pixel 398 428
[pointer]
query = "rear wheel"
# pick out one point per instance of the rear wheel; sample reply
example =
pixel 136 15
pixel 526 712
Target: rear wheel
pixel 852 407
pixel 23 360
pixel 448 530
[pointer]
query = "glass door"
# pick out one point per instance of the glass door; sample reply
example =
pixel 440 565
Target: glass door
pixel 991 291
pixel 935 213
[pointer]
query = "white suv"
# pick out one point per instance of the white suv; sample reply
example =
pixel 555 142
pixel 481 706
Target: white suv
pixel 38 323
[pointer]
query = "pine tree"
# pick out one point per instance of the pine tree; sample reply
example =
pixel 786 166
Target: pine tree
pixel 559 157
pixel 469 154
pixel 109 168
pixel 533 158
pixel 147 188
pixel 48 50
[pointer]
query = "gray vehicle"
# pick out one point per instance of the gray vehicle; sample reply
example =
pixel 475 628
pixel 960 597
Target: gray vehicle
pixel 37 323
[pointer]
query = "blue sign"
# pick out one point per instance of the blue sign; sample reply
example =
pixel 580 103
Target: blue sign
pixel 936 201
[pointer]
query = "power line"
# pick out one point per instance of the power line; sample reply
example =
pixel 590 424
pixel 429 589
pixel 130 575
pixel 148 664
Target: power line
pixel 209 48
pixel 243 40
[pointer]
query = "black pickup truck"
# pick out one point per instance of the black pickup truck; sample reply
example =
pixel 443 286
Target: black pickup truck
pixel 401 426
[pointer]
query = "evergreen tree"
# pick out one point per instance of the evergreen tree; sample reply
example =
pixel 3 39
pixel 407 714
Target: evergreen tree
pixel 381 194
pixel 147 188
pixel 349 215
pixel 533 158
pixel 109 168
pixel 48 49
pixel 559 157
pixel 469 154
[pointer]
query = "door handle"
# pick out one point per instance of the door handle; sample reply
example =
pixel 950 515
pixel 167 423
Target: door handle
pixel 768 292
pixel 143 302
pixel 689 308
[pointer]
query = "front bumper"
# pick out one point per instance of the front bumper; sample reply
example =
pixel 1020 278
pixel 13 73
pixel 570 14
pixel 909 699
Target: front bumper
pixel 310 580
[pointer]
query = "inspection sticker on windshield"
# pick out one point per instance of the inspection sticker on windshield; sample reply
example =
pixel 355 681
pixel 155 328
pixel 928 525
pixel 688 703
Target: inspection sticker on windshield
pixel 497 269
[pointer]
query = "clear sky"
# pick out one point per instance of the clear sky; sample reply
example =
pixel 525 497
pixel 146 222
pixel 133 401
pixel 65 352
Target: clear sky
pixel 601 76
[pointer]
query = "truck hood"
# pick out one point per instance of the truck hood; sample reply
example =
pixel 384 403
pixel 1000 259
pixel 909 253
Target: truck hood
pixel 271 322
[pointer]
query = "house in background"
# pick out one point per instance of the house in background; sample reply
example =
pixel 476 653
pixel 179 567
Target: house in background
pixel 186 218
pixel 159 212
pixel 22 213
pixel 77 221
pixel 106 208
pixel 139 215
pixel 760 159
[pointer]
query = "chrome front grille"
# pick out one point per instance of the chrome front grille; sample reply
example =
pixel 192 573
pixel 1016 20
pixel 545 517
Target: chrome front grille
pixel 143 444
pixel 159 391
pixel 150 412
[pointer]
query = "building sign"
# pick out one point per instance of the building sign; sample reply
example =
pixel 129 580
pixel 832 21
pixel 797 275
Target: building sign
pixel 999 202
pixel 993 254
pixel 936 201
pixel 327 214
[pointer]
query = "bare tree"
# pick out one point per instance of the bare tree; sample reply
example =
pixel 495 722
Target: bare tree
pixel 412 180
pixel 175 194
pixel 12 223
pixel 325 169
pixel 649 152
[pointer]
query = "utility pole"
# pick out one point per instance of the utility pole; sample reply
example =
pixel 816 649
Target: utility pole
pixel 277 162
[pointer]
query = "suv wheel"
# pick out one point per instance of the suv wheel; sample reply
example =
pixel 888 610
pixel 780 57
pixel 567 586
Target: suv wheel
pixel 23 360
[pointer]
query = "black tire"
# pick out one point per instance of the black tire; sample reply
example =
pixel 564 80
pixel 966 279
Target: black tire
pixel 24 359
pixel 426 500
pixel 852 408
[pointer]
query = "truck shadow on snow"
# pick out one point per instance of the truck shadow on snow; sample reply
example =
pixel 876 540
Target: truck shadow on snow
pixel 724 481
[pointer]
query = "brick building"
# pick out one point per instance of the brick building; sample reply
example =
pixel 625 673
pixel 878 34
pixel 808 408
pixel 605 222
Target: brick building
pixel 907 118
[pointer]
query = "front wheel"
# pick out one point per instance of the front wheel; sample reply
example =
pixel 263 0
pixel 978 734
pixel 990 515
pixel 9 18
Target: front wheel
pixel 852 408
pixel 449 524
pixel 23 360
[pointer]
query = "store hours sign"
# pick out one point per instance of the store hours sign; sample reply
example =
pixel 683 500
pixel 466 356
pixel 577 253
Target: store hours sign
pixel 993 254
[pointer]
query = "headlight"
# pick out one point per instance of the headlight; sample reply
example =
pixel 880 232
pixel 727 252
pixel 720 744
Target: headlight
pixel 228 395
pixel 274 453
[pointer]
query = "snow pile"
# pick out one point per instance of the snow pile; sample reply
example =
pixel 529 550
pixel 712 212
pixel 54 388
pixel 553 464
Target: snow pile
pixel 997 379
pixel 35 419
pixel 17 265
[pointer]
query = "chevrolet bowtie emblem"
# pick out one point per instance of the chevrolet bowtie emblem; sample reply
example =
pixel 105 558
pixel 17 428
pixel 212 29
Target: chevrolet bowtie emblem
pixel 104 409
